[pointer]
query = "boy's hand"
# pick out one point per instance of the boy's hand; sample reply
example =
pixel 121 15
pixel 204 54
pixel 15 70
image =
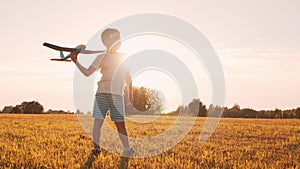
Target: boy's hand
pixel 74 56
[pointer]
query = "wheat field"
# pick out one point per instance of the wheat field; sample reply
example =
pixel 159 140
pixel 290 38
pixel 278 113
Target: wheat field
pixel 58 141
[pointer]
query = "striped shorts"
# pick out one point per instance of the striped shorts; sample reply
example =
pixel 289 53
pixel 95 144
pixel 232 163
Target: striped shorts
pixel 105 102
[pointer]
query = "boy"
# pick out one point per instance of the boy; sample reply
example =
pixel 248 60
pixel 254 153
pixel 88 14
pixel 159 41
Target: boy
pixel 108 98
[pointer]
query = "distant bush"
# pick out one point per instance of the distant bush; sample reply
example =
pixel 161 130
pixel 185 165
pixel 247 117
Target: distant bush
pixel 298 113
pixel 50 111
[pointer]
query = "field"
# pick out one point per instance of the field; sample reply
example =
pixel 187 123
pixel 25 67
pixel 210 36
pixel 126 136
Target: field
pixel 58 141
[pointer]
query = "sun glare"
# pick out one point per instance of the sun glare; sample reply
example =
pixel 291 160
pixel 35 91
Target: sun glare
pixel 162 81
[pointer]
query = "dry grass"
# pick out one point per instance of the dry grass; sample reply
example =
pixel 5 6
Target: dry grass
pixel 58 141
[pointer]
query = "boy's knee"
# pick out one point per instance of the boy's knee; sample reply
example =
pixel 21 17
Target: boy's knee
pixel 120 124
pixel 98 122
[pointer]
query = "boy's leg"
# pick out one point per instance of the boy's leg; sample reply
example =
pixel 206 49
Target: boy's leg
pixel 117 114
pixel 97 132
pixel 122 134
pixel 99 112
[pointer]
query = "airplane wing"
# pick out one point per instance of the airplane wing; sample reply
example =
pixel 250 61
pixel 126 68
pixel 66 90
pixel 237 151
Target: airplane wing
pixel 64 60
pixel 91 51
pixel 59 48
pixel 79 48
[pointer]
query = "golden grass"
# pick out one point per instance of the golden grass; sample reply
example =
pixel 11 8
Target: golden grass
pixel 58 141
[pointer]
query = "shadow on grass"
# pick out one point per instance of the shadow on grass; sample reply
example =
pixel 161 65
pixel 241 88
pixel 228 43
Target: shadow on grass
pixel 123 164
pixel 89 162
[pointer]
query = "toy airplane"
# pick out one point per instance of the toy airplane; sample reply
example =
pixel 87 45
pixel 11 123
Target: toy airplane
pixel 78 49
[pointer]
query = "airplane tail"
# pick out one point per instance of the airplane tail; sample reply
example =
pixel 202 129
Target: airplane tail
pixel 62 56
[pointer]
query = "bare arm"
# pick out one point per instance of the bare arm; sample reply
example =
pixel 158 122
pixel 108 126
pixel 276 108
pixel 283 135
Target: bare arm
pixel 85 71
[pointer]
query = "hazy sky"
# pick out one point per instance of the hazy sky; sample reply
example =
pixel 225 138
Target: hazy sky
pixel 258 43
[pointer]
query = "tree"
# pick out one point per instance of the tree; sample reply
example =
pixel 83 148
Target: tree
pixel 236 107
pixel 202 110
pixel 78 112
pixel 278 113
pixel 298 113
pixel 32 107
pixel 193 107
pixel 145 100
pixel 156 103
pixel 249 113
pixel 176 112
pixel 17 109
pixel 141 97
pixel 215 111
pixel 197 108
pixel 7 109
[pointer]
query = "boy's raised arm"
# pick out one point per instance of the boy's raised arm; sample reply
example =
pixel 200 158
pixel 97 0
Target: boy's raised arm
pixel 85 71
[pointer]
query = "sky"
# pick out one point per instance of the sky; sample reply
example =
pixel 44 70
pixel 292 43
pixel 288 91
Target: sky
pixel 258 44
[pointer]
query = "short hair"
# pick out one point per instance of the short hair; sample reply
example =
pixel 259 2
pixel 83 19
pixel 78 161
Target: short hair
pixel 110 36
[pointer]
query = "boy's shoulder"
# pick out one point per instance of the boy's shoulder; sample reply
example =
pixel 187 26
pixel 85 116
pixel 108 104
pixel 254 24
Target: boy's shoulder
pixel 117 55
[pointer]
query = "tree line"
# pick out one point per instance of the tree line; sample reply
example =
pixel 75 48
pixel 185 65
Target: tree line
pixel 31 107
pixel 148 102
pixel 197 108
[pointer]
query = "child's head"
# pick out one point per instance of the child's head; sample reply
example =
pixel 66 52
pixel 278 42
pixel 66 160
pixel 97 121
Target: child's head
pixel 111 39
